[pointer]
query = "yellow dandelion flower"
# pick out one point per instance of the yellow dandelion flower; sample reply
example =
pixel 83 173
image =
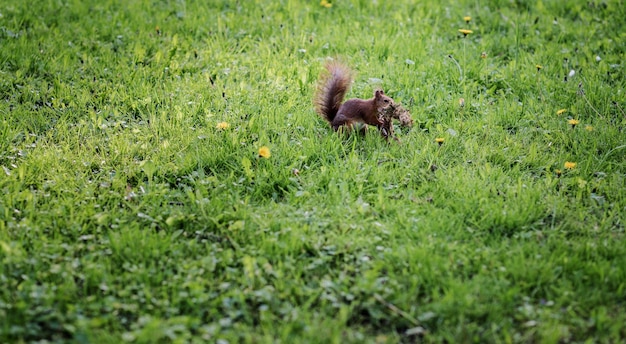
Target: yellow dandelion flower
pixel 222 125
pixel 467 19
pixel 326 4
pixel 465 32
pixel 588 128
pixel 439 140
pixel 264 152
pixel 573 122
pixel 560 111
pixel 569 165
pixel 539 67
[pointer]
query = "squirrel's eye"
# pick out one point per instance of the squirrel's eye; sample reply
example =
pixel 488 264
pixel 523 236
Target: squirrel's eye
pixel 386 100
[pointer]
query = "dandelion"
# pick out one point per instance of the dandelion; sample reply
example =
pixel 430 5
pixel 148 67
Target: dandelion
pixel 560 111
pixel 264 152
pixel 467 19
pixel 539 67
pixel 483 55
pixel 326 4
pixel 465 32
pixel 573 122
pixel 439 140
pixel 569 165
pixel 588 128
pixel 222 125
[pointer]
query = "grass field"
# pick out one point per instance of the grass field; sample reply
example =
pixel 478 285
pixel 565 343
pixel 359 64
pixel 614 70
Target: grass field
pixel 135 207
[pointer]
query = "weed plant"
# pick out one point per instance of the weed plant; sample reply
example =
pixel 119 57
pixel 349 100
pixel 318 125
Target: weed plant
pixel 166 179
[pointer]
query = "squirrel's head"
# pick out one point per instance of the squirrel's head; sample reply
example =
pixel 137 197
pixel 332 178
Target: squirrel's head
pixel 382 101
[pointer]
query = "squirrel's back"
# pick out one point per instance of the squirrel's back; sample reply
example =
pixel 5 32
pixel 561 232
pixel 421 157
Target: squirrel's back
pixel 331 89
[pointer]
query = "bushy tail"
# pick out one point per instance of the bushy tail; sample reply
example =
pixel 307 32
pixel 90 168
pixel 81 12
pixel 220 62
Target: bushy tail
pixel 331 89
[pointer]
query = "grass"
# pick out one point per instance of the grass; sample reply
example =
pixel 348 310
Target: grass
pixel 127 215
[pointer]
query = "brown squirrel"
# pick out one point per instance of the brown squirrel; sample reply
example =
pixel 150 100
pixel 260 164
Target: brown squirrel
pixel 331 89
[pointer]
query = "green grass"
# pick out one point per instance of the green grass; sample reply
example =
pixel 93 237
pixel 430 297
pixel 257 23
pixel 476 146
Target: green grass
pixel 127 216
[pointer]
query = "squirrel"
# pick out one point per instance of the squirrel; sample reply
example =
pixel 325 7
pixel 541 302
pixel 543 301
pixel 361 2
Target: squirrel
pixel 333 85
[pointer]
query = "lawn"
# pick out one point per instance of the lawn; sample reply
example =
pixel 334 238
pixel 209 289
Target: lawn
pixel 165 179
